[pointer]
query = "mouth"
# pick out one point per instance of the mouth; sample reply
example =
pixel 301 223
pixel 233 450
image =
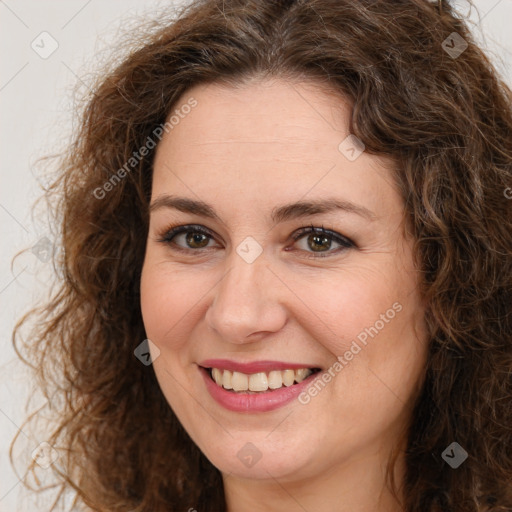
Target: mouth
pixel 261 382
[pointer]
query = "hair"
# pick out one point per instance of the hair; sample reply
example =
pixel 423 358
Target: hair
pixel 445 119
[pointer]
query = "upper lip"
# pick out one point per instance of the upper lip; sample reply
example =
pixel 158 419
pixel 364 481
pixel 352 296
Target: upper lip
pixel 253 366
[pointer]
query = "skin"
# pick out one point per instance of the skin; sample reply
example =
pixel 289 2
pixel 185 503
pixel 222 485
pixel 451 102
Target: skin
pixel 245 151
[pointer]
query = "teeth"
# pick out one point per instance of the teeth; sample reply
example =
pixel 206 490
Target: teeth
pixel 302 374
pixel 217 376
pixel 239 381
pixel 226 379
pixel 288 377
pixel 275 380
pixel 258 382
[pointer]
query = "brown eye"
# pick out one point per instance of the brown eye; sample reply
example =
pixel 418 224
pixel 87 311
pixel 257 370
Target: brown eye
pixel 320 240
pixel 187 237
pixel 196 240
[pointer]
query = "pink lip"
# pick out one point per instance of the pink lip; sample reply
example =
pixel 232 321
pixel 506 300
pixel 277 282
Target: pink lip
pixel 257 402
pixel 254 367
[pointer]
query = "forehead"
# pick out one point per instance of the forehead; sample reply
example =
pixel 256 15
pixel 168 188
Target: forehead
pixel 273 112
pixel 268 136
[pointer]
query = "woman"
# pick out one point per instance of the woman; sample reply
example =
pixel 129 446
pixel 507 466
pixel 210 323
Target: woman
pixel 286 268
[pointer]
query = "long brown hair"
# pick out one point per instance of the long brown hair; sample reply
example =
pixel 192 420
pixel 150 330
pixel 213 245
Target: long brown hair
pixel 420 96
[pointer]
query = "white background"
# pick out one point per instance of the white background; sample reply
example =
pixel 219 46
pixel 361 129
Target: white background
pixel 36 118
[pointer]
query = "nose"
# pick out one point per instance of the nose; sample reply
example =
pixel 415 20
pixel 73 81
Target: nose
pixel 247 303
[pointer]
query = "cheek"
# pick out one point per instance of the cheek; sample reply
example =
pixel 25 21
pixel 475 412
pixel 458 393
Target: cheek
pixel 167 310
pixel 165 303
pixel 342 305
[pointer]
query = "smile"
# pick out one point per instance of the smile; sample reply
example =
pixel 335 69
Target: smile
pixel 259 382
pixel 255 387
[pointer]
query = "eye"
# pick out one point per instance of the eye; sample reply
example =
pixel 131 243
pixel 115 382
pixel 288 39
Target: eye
pixel 191 237
pixel 320 240
pixel 317 241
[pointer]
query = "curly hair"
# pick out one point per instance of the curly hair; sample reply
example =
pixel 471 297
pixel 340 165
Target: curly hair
pixel 447 121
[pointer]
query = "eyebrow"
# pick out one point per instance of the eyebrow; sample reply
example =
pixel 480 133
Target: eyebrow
pixel 279 214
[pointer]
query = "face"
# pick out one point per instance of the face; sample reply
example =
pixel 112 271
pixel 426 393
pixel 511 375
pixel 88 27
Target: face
pixel 240 277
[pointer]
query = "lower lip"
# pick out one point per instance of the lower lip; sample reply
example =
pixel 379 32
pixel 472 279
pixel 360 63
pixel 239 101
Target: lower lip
pixel 257 402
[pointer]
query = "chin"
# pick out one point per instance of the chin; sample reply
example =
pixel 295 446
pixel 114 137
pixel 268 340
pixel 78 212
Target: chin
pixel 259 459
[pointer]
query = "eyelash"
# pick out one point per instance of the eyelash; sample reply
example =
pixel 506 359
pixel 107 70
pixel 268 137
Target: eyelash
pixel 167 236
